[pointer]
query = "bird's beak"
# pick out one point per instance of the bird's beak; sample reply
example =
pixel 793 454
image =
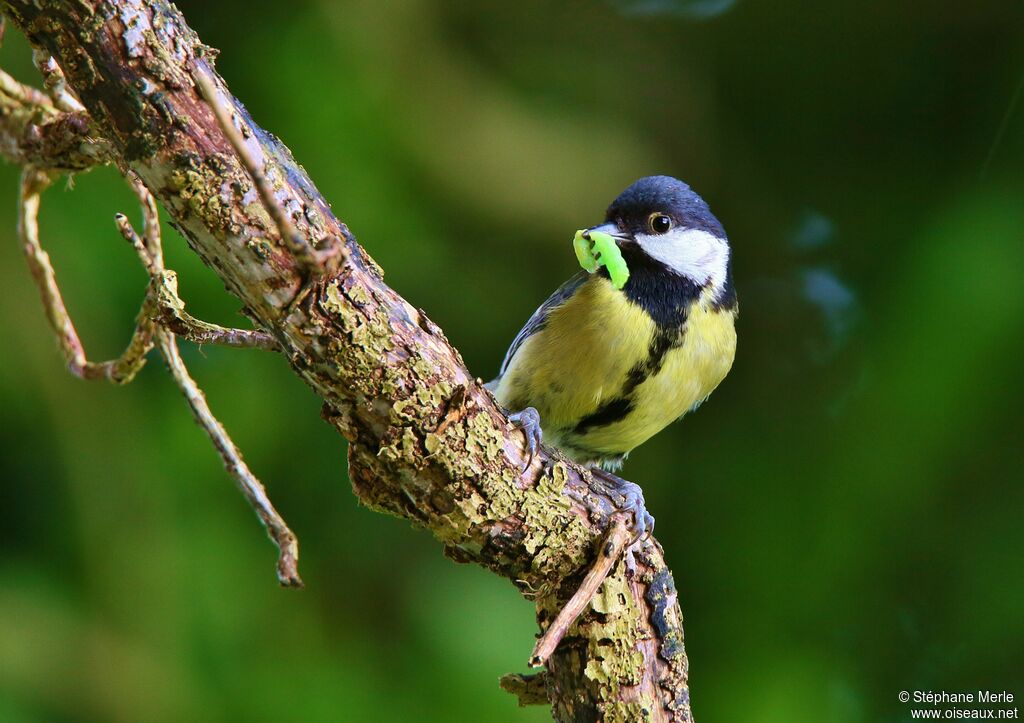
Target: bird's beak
pixel 612 230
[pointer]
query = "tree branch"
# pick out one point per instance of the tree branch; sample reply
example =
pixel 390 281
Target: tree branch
pixel 426 440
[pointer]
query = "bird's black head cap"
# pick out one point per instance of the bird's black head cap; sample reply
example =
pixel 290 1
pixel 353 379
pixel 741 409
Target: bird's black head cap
pixel 632 210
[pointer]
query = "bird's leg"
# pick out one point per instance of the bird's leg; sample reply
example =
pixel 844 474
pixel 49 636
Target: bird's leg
pixel 528 420
pixel 627 496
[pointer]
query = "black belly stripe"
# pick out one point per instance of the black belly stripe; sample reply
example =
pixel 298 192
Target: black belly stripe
pixel 607 413
pixel 664 340
pixel 615 410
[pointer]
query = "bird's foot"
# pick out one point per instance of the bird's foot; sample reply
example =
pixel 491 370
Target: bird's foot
pixel 528 420
pixel 628 497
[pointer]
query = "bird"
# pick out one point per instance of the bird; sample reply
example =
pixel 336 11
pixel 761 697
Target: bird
pixel 598 370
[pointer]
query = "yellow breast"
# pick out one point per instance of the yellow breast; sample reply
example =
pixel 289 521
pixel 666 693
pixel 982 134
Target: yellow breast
pixel 690 372
pixel 589 361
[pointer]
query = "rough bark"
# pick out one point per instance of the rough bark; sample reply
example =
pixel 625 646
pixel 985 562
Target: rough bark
pixel 426 440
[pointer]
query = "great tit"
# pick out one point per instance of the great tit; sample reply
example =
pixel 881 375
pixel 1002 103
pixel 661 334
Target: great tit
pixel 598 370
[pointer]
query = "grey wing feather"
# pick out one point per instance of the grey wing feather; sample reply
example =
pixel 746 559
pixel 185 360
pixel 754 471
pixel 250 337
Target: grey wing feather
pixel 540 316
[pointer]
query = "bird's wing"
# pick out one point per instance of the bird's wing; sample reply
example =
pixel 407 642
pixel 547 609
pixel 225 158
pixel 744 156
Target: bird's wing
pixel 540 316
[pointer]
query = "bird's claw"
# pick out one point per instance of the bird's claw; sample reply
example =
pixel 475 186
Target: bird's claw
pixel 628 498
pixel 633 501
pixel 528 420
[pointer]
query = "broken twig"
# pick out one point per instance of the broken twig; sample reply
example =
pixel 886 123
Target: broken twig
pixel 611 551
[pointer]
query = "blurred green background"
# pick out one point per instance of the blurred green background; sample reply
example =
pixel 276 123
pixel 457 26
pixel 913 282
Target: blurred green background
pixel 845 517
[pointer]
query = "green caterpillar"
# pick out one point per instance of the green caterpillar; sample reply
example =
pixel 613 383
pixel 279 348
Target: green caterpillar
pixel 600 250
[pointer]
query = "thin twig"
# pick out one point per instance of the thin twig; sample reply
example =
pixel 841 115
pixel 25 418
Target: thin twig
pixel 126 229
pixel 151 237
pixel 48 133
pixel 611 551
pixel 26 94
pixel 297 243
pixel 164 284
pixel 54 82
pixel 170 309
pixel 283 537
pixel 198 331
pixel 172 316
pixel 121 370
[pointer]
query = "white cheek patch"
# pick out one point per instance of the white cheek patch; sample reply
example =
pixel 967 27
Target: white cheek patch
pixel 693 253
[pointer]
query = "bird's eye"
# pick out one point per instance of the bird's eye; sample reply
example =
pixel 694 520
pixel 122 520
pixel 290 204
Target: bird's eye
pixel 659 223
